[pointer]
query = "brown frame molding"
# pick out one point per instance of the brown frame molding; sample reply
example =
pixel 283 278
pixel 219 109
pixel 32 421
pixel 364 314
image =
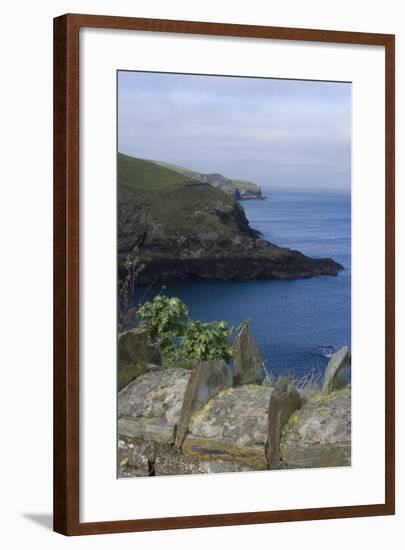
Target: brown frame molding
pixel 66 273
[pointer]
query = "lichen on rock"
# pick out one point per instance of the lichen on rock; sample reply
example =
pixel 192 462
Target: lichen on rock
pixel 336 372
pixel 154 395
pixel 319 434
pixel 135 354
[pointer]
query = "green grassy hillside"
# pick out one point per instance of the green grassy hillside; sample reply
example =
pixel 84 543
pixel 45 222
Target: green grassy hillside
pixel 235 187
pixel 184 228
pixel 178 204
pixel 138 174
pixel 191 174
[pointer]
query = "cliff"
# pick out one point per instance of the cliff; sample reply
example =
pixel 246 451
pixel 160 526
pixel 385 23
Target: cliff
pixel 182 228
pixel 238 189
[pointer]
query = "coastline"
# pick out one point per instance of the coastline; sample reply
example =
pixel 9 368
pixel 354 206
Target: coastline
pixel 291 320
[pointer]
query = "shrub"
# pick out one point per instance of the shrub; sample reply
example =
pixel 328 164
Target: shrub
pixel 184 341
pixel 164 318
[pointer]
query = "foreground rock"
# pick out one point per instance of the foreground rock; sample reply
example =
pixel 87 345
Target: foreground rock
pixel 240 428
pixel 135 355
pixel 336 373
pixel 182 228
pixel 228 434
pixel 319 434
pixel 249 368
pixel 151 405
pixel 139 458
pixel 206 381
pixel 284 400
pixel 232 427
pixel 237 415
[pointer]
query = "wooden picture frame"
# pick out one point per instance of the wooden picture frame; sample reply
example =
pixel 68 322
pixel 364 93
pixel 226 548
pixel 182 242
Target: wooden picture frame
pixel 67 284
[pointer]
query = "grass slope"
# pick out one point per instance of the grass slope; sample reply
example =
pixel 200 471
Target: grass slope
pixel 142 175
pixel 179 205
pixel 229 185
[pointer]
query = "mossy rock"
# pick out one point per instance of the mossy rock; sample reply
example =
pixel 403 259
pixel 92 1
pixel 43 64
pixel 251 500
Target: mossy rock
pixel 204 449
pixel 135 354
pixel 128 373
pixel 248 362
pixel 319 434
pixel 140 458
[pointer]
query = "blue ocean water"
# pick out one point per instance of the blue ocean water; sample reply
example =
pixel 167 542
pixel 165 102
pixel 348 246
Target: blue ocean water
pixel 296 324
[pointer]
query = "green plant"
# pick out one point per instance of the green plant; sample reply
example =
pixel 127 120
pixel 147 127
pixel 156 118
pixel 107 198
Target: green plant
pixel 201 342
pixel 165 318
pixel 184 341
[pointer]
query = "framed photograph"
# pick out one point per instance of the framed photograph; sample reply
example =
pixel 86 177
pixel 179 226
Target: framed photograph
pixel 223 274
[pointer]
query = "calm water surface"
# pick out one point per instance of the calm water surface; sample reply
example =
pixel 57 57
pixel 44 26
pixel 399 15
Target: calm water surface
pixel 296 324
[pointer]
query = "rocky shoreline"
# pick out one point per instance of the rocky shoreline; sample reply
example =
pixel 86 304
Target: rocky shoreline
pixel 176 229
pixel 220 417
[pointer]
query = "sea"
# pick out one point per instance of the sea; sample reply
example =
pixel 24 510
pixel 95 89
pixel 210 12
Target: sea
pixel 297 324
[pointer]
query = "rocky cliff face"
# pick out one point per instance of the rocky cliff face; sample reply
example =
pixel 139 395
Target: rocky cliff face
pixel 176 229
pixel 238 189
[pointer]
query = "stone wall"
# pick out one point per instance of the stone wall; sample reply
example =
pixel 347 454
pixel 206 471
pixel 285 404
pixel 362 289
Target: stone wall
pixel 175 421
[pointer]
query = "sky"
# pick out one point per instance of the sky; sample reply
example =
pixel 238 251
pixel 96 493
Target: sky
pixel 276 133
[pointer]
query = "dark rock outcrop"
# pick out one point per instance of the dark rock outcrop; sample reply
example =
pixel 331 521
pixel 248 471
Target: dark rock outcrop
pixel 174 228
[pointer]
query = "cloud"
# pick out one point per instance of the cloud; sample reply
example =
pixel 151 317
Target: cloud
pixel 295 132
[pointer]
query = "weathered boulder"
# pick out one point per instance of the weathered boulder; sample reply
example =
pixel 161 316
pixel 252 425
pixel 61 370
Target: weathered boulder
pixel 227 434
pixel 248 362
pixel 135 354
pixel 336 373
pixel 284 400
pixel 319 434
pixel 237 415
pixel 232 426
pixel 236 429
pixel 206 380
pixel 150 405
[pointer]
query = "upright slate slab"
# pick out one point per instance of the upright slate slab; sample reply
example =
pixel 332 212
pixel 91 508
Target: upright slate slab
pixel 248 362
pixel 135 354
pixel 284 400
pixel 206 380
pixel 336 371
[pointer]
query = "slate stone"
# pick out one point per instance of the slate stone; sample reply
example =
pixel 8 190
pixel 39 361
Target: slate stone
pixel 319 434
pixel 135 355
pixel 336 372
pixel 153 402
pixel 206 381
pixel 248 363
pixel 284 400
pixel 237 415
